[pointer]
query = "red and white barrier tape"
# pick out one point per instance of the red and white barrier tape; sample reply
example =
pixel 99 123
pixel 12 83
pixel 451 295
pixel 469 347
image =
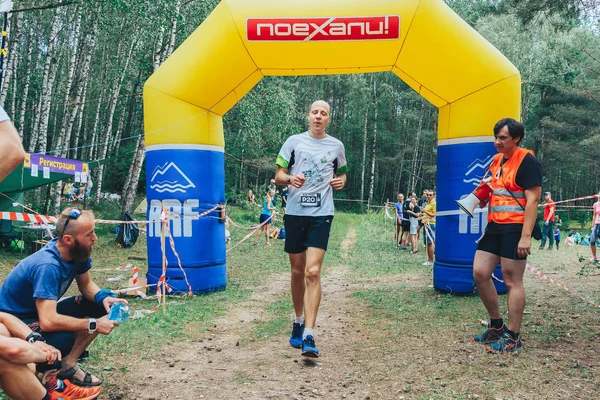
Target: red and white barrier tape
pixel 205 213
pixel 539 273
pixel 15 216
pixel 592 197
pixel 172 242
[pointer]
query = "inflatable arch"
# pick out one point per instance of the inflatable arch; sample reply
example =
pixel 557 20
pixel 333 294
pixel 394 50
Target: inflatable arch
pixel 422 41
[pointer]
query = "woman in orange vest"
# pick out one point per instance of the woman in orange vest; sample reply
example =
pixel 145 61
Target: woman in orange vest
pixel 516 187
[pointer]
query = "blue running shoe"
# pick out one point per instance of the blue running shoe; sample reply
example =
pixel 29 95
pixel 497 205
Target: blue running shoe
pixel 490 336
pixel 296 338
pixel 309 349
pixel 506 344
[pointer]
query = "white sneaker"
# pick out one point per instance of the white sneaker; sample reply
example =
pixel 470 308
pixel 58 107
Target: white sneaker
pixel 427 263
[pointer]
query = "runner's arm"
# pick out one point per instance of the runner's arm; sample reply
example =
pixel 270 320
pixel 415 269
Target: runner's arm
pixel 11 151
pixel 15 326
pixel 87 287
pixel 52 321
pixel 338 182
pixel 19 351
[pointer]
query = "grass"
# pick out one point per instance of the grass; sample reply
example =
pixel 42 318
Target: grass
pixel 412 327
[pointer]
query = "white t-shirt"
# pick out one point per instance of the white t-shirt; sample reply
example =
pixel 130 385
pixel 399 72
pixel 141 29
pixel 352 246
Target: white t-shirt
pixel 318 160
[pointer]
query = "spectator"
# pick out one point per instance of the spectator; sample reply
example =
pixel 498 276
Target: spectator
pixel 557 237
pixel 32 291
pixel 251 197
pixel 265 216
pixel 547 228
pixel 406 220
pixel 399 218
pixel 284 197
pixel 422 203
pixel 413 211
pixel 428 212
pixel 68 191
pixel 20 346
pixel 90 185
pixel 595 228
pixel 272 186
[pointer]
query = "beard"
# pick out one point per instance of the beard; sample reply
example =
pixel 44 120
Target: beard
pixel 79 252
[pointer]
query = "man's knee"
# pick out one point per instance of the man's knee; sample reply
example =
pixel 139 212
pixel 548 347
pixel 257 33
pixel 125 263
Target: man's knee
pixel 297 272
pixel 481 275
pixel 313 273
pixel 62 341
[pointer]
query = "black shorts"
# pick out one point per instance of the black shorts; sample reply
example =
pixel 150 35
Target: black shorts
pixel 501 244
pixel 405 226
pixel 303 232
pixel 76 307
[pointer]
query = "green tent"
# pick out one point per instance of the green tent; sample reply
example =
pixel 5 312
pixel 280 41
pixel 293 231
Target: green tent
pixel 21 179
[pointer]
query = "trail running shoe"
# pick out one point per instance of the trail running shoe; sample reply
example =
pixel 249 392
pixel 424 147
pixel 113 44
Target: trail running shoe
pixel 69 391
pixel 309 349
pixel 506 344
pixel 490 336
pixel 296 338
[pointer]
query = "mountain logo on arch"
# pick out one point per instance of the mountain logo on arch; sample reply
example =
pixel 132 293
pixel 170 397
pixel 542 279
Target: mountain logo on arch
pixel 477 170
pixel 170 178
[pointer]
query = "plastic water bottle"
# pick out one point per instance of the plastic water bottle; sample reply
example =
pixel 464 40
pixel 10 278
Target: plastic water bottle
pixel 119 312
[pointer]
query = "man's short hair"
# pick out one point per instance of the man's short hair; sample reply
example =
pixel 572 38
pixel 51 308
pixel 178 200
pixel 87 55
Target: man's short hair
pixel 548 193
pixel 62 220
pixel 515 128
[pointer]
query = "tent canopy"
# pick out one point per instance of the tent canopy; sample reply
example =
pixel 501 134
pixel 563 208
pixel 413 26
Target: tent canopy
pixel 21 178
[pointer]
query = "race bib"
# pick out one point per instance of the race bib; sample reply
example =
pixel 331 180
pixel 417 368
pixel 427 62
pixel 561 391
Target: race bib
pixel 310 199
pixel 597 219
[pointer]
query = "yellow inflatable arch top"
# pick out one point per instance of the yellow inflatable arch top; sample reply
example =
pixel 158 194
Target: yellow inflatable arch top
pixel 422 41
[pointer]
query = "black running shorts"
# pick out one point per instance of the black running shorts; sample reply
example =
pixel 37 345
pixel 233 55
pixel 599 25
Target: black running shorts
pixel 502 244
pixel 303 232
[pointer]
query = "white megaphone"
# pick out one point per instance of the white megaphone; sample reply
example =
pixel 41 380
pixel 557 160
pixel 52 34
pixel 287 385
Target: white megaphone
pixel 481 193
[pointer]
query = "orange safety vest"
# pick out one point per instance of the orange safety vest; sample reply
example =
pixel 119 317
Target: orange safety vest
pixel 503 209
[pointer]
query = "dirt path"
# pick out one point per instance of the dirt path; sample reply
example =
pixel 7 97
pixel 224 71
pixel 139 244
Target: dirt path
pixel 219 367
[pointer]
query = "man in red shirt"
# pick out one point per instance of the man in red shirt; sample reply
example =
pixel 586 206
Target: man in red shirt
pixel 548 227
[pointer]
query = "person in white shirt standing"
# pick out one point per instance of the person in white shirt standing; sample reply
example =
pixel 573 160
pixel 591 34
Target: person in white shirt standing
pixel 313 164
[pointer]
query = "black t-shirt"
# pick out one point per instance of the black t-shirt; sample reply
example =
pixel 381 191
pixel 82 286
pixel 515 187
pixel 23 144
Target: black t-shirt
pixel 405 208
pixel 529 175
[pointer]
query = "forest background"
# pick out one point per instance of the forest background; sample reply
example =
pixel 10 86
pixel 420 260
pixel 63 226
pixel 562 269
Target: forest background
pixel 74 73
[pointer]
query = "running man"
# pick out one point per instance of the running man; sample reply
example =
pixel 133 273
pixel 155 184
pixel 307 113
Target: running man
pixel 312 164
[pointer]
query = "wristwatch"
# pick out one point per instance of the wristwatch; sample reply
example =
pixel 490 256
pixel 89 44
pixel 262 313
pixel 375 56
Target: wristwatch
pixel 35 337
pixel 288 179
pixel 91 325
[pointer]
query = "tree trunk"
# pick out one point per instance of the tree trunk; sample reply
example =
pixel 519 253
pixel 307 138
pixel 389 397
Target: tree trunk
pixel 64 137
pixel 374 143
pixel 416 154
pixel 40 134
pixel 111 113
pixel 13 53
pixel 93 148
pixel 158 49
pixel 77 152
pixel 364 153
pixel 135 169
pixel 27 77
pixel 169 49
